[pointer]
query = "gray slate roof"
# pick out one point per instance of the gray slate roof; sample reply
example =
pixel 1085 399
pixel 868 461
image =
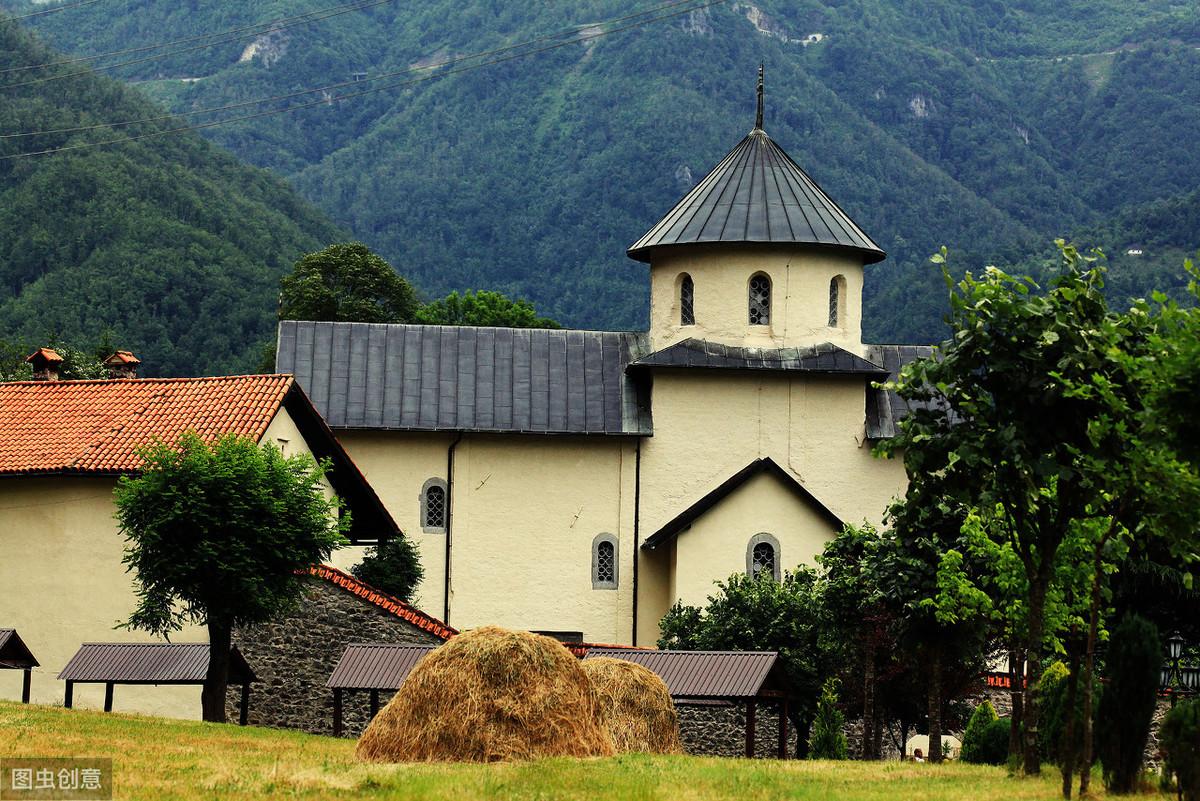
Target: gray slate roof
pixel 885 408
pixel 462 378
pixel 757 194
pixel 538 381
pixel 823 358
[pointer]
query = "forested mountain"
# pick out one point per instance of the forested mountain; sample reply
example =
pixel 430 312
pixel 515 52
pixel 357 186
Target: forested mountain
pixel 169 245
pixel 987 126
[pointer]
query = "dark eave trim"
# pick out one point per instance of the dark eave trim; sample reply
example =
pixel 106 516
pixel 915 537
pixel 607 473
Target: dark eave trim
pixel 766 464
pixel 370 520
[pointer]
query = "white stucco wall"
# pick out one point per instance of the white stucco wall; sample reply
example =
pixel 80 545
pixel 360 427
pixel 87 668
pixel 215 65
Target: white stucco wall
pixel 285 435
pixel 397 465
pixel 708 425
pixel 525 510
pixel 63 584
pixel 715 546
pixel 799 293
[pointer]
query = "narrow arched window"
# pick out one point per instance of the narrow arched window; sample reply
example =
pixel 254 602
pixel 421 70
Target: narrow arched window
pixel 687 301
pixel 433 506
pixel 760 300
pixel 762 557
pixel 604 562
pixel 837 301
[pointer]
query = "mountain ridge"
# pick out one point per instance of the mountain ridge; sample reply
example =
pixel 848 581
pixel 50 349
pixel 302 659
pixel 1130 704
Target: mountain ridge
pixel 533 176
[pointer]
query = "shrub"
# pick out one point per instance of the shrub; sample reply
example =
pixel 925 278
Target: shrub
pixel 982 718
pixel 1052 725
pixel 392 567
pixel 828 740
pixel 993 749
pixel 1052 691
pixel 1127 705
pixel 1179 738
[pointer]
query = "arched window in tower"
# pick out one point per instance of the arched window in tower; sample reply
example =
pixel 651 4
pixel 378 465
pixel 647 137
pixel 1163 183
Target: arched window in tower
pixel 760 300
pixel 837 301
pixel 762 557
pixel 604 562
pixel 687 301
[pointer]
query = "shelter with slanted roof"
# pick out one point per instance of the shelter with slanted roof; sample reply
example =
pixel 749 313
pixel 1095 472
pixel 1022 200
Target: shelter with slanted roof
pixel 585 481
pixel 150 663
pixel 64 445
pixel 14 655
pixel 714 691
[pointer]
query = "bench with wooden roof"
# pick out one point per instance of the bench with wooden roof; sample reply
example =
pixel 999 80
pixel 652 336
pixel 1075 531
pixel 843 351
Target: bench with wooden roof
pixel 14 655
pixel 149 663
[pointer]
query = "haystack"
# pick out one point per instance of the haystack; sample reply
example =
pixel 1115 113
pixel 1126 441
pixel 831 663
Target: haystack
pixel 635 706
pixel 490 695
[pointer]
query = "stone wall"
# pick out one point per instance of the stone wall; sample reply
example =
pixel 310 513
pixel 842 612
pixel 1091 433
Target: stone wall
pixel 294 655
pixel 720 730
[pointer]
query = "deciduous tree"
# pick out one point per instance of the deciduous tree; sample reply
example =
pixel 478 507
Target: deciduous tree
pixel 346 283
pixel 483 308
pixel 217 535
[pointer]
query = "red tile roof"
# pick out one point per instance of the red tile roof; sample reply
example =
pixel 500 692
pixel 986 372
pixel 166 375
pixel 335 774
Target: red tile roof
pixel 581 649
pixel 47 354
pixel 122 357
pixel 97 426
pixel 384 601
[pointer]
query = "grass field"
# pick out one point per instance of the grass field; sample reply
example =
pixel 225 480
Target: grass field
pixel 161 759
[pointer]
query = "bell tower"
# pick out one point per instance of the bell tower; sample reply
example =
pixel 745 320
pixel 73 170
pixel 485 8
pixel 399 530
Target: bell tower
pixel 757 255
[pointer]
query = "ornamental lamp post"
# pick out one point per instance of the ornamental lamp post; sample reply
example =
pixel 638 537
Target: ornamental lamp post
pixel 1172 675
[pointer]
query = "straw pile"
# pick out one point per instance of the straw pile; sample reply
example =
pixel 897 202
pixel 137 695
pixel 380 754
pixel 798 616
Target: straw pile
pixel 635 706
pixel 490 695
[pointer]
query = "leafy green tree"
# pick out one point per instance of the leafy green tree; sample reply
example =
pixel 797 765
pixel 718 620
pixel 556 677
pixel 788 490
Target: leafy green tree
pixel 483 308
pixel 1029 416
pixel 828 741
pixel 761 614
pixel 346 283
pixel 1132 668
pixel 1173 376
pixel 218 535
pixel 857 620
pixel 393 567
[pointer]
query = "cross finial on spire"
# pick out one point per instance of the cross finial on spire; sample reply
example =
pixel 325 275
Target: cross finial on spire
pixel 758 117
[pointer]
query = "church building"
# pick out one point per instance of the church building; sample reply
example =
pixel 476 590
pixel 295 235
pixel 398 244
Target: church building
pixel 579 483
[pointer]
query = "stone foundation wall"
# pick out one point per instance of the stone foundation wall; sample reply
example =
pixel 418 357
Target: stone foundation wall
pixel 720 730
pixel 294 655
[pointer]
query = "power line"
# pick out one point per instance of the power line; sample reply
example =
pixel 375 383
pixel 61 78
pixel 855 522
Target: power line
pixel 203 46
pixel 574 31
pixel 54 10
pixel 185 40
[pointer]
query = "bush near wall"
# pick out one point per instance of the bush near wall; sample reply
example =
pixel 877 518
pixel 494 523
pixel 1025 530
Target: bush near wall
pixel 985 741
pixel 1180 741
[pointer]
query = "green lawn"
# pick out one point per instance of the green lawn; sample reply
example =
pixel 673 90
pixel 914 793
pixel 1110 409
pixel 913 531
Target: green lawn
pixel 160 759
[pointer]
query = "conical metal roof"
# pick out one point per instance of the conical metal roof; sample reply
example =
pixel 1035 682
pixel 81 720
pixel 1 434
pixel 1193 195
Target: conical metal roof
pixel 757 194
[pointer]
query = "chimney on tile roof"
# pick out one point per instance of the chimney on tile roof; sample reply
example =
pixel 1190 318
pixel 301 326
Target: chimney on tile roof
pixel 122 364
pixel 45 364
